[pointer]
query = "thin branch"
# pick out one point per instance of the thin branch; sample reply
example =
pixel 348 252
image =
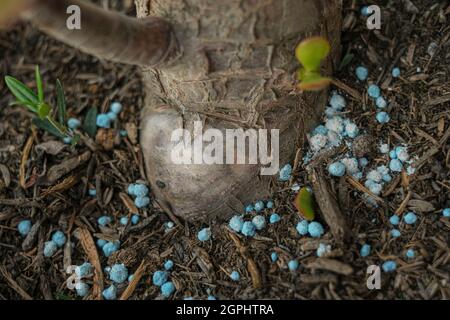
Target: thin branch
pixel 105 34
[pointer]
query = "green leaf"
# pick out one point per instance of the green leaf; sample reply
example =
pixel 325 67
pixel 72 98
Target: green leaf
pixel 46 125
pixel 43 110
pixel 61 103
pixel 304 204
pixel 40 89
pixel 21 91
pixel 313 81
pixel 90 122
pixel 346 60
pixel 29 106
pixel 311 52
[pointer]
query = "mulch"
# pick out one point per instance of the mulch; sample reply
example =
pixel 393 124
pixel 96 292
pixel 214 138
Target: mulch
pixel 47 183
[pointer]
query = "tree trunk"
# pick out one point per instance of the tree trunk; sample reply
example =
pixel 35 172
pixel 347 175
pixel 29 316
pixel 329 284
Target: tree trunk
pixel 237 69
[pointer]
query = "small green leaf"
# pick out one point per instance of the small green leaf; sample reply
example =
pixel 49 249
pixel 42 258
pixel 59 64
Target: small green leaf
pixel 304 204
pixel 28 105
pixel 61 102
pixel 43 110
pixel 90 122
pixel 21 91
pixel 40 89
pixel 311 52
pixel 46 125
pixel 346 60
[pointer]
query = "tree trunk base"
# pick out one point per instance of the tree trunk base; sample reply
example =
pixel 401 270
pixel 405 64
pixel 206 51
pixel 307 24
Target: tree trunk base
pixel 237 71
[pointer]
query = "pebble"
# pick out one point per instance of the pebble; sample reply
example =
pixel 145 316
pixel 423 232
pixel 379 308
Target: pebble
pixel 104 220
pixel 236 223
pixel 410 218
pixel 302 227
pixel 337 102
pixel 380 102
pixel 123 221
pixel 389 266
pixel 365 250
pixel 134 219
pixel 446 212
pixel 395 165
pixel 293 265
pixel 118 273
pixel 204 234
pixel 336 169
pixel 259 205
pixel 110 293
pixel 323 249
pixel 274 218
pixel 315 229
pixel 383 117
pixel 116 107
pixel 410 253
pixel 24 227
pixel 274 256
pixel 103 121
pixel 373 91
pixel 141 202
pixel 394 220
pixel 59 238
pixel 83 270
pixel 160 277
pixel 50 249
pixel 248 229
pixel 395 233
pixel 82 289
pixel 168 265
pixel 73 123
pixel 167 289
pixel 259 222
pixel 395 72
pixel 140 190
pixel 361 73
pixel 110 247
pixel 285 173
pixel 235 276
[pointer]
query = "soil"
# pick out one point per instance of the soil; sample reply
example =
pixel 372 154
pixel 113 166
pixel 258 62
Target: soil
pixel 420 117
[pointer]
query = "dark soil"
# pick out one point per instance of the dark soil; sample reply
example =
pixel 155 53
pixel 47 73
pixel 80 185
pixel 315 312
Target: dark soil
pixel 420 117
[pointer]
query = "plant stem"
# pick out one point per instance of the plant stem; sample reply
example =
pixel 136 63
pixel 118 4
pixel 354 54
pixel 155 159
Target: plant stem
pixel 57 126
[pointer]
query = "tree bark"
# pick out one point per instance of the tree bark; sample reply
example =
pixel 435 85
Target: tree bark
pixel 237 70
pixel 106 34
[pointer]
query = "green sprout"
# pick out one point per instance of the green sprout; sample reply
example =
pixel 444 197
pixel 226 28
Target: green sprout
pixel 310 53
pixel 35 102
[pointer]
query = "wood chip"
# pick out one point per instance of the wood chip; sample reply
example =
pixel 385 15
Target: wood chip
pixel 59 170
pixel 13 284
pixel 330 265
pixel 23 161
pixel 133 284
pixel 91 251
pixel 329 206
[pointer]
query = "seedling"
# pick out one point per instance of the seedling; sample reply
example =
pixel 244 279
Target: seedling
pixel 35 102
pixel 310 53
pixel 304 204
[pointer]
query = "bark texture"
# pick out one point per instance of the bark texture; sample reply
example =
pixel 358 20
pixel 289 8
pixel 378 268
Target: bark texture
pixel 106 34
pixel 236 70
